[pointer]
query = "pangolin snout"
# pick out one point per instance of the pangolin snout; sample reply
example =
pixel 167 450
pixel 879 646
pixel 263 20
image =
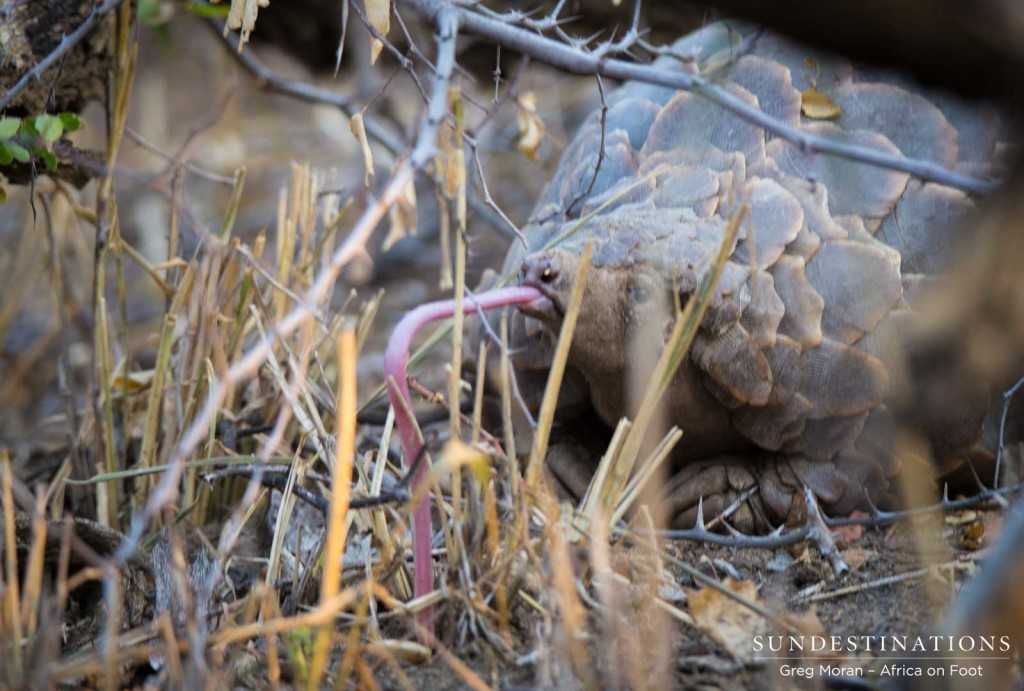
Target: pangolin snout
pixel 539 269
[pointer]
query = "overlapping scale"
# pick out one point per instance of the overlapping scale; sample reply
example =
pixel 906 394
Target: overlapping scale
pixel 803 339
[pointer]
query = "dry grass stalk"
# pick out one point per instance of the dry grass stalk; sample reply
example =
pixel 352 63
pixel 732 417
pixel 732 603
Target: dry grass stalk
pixel 547 407
pixel 12 620
pixel 341 483
pixel 676 347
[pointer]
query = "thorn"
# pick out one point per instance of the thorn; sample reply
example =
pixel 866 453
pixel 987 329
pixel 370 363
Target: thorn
pixel 822 535
pixel 700 514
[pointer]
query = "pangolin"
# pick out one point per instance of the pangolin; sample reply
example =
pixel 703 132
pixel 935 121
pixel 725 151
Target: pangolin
pixel 789 379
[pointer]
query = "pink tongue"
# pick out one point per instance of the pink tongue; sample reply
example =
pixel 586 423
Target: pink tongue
pixel 396 361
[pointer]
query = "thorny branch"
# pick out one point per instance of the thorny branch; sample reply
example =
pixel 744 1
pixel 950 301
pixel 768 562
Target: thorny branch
pixel 267 79
pixel 573 57
pixel 782 537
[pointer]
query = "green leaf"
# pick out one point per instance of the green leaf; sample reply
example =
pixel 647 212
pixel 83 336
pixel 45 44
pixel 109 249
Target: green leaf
pixel 208 11
pixel 19 152
pixel 9 127
pixel 28 128
pixel 5 154
pixel 50 127
pixel 71 122
pixel 3 196
pixel 49 158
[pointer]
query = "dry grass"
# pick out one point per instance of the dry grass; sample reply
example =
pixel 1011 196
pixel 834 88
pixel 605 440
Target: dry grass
pixel 509 582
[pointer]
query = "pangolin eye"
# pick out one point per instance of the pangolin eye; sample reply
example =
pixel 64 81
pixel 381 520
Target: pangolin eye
pixel 639 294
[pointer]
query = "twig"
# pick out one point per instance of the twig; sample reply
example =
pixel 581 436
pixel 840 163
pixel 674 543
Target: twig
pixel 426 143
pixel 860 587
pixel 276 477
pixel 601 153
pixel 516 393
pixel 1007 399
pixel 821 535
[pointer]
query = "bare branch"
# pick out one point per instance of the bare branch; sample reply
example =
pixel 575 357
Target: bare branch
pixel 1007 399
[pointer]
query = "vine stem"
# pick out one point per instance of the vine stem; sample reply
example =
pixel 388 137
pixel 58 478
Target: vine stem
pixel 396 360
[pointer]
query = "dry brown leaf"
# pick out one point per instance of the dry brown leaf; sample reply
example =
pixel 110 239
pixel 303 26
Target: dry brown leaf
pixel 242 18
pixel 378 13
pixel 402 216
pixel 406 651
pixel 531 127
pixel 856 557
pixel 727 622
pixel 993 527
pixel 806 622
pixel 846 535
pixel 972 535
pixel 133 383
pixel 355 124
pixel 818 106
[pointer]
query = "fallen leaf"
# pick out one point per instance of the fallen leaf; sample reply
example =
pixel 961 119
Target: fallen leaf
pixel 531 127
pixel 972 535
pixel 727 622
pixel 818 106
pixel 450 156
pixel 456 454
pixel 856 557
pixel 806 622
pixel 846 535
